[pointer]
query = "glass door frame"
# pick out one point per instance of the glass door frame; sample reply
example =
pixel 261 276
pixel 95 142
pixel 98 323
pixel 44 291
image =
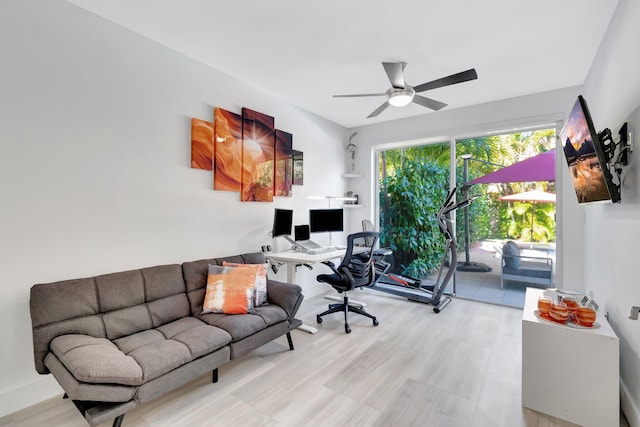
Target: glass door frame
pixel 553 122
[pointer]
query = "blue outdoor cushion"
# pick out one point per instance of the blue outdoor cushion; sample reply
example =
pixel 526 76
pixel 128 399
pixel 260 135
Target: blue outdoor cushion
pixel 511 254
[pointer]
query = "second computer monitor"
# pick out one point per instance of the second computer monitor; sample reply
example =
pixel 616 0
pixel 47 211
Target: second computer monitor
pixel 282 222
pixel 326 220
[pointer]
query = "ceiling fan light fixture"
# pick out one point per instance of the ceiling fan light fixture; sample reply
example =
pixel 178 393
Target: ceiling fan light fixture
pixel 400 97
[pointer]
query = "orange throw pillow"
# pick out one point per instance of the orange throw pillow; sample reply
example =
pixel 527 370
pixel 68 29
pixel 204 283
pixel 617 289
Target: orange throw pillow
pixel 229 290
pixel 260 296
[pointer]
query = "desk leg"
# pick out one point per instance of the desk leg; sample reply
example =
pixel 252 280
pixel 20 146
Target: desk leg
pixel 291 278
pixel 291 272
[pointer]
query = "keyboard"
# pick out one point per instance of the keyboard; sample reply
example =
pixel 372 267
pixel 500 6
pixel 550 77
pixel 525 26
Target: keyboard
pixel 321 250
pixel 309 244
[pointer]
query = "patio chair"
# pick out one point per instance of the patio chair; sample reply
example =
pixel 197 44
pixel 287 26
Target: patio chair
pixel 525 268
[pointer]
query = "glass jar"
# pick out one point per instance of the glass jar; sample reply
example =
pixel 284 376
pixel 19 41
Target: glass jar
pixel 559 311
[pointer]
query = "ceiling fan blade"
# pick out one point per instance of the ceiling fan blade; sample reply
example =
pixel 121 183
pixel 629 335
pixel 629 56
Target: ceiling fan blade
pixel 378 110
pixel 395 72
pixel 449 80
pixel 428 102
pixel 358 95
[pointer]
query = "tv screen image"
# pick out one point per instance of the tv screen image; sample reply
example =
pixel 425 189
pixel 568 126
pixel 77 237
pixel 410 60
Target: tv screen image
pixel 282 222
pixel 583 153
pixel 326 220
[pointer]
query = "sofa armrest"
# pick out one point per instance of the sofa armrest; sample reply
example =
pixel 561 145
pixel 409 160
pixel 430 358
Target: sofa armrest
pixel 286 295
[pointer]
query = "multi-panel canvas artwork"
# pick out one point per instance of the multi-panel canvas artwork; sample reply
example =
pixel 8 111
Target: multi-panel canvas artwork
pixel 258 140
pixel 284 163
pixel 227 173
pixel 298 169
pixel 201 144
pixel 247 154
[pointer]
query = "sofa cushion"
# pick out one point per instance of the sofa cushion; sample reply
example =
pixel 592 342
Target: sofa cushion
pixel 120 290
pixel 175 343
pixel 199 337
pixel 96 360
pixel 127 321
pixel 159 357
pixel 229 290
pixel 511 254
pixel 240 326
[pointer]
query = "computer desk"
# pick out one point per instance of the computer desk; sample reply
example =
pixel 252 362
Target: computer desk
pixel 291 259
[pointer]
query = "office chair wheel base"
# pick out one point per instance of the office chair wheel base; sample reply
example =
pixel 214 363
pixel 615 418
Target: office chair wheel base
pixel 375 322
pixel 347 329
pixel 318 319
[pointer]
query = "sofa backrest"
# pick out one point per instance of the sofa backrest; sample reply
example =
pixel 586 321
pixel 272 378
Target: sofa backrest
pixel 195 275
pixel 111 305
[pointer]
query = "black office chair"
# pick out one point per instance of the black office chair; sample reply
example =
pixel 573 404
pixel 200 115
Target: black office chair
pixel 355 271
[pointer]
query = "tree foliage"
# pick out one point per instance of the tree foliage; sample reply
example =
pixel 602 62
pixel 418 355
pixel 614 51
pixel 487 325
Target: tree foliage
pixel 409 198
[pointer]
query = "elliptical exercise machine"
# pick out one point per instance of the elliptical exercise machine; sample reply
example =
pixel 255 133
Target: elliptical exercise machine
pixel 413 289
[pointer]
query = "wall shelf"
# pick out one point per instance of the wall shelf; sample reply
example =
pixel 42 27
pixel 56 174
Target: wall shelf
pixel 352 175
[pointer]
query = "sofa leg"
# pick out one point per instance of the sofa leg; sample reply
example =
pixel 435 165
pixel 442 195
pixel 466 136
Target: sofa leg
pixel 65 396
pixel 214 376
pixel 118 421
pixel 290 341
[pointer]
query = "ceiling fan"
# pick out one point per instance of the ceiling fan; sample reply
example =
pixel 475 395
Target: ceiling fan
pixel 401 94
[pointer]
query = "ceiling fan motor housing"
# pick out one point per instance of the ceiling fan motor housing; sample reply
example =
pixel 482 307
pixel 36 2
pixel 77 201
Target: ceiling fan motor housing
pixel 400 97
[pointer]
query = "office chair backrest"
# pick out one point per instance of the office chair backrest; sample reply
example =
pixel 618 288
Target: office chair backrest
pixel 368 226
pixel 357 265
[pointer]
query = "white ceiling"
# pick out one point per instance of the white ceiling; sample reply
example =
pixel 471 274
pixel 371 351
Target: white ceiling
pixel 306 51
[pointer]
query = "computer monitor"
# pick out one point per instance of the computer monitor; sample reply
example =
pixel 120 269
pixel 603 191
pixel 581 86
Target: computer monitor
pixel 282 222
pixel 326 220
pixel 301 233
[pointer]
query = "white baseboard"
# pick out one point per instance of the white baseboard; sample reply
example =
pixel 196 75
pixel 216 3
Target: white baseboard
pixel 629 406
pixel 29 394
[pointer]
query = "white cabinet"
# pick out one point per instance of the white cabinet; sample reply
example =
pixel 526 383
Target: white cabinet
pixel 570 373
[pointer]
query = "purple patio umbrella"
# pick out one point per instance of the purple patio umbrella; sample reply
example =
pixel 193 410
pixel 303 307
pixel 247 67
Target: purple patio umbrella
pixel 541 167
pixel 537 168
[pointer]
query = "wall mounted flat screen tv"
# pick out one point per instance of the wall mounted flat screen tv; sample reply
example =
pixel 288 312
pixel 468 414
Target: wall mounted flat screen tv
pixel 587 163
pixel 323 220
pixel 282 222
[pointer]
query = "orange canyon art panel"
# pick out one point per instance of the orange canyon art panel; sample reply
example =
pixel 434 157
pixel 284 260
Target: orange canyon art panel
pixel 201 144
pixel 228 150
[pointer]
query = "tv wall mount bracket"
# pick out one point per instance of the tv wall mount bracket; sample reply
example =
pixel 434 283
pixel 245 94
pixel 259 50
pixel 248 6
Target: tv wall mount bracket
pixel 617 153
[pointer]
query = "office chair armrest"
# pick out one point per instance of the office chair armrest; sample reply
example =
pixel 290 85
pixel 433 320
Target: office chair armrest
pixel 331 265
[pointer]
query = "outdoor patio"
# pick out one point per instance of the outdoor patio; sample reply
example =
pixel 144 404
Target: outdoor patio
pixel 485 287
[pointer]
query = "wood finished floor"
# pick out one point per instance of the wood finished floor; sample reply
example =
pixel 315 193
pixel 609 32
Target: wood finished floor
pixel 461 367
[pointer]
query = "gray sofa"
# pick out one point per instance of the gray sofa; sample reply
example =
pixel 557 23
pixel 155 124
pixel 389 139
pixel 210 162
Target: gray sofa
pixel 118 340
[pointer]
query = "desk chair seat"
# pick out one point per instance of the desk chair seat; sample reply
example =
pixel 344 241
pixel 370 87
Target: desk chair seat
pixel 355 271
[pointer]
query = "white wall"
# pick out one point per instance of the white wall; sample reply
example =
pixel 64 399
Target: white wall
pixel 541 108
pixel 612 232
pixel 94 165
